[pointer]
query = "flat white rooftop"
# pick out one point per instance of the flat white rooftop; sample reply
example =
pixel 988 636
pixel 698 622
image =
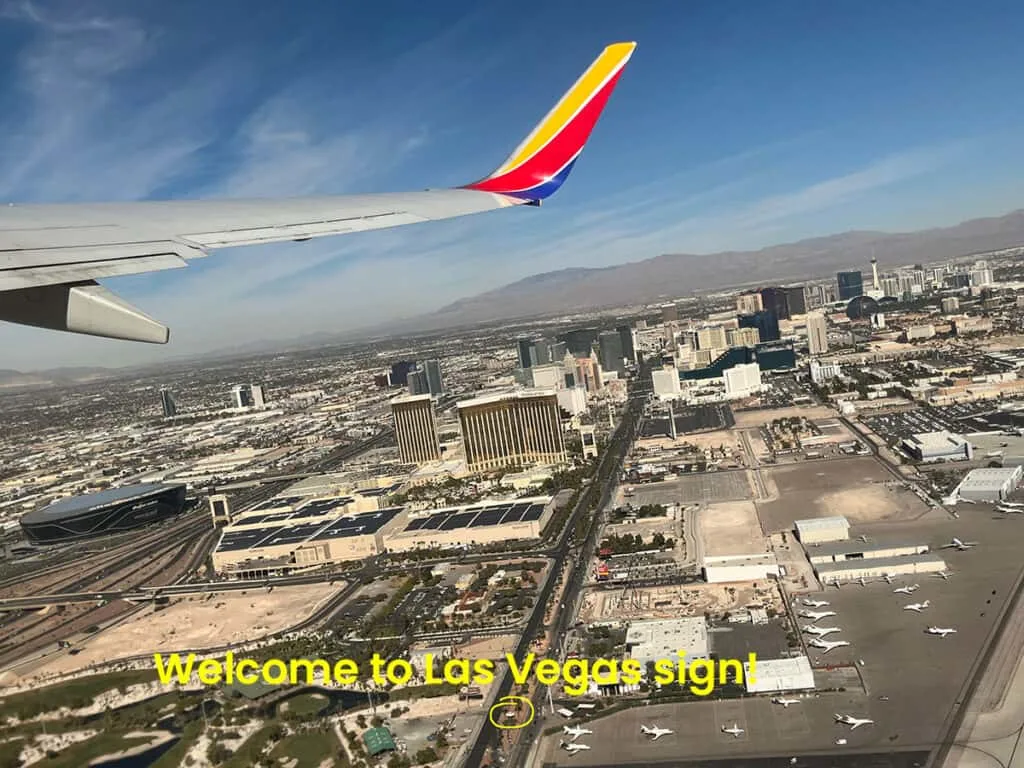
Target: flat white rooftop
pixel 822 523
pixel 666 638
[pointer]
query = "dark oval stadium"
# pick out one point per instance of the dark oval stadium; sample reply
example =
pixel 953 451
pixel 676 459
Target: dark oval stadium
pixel 105 512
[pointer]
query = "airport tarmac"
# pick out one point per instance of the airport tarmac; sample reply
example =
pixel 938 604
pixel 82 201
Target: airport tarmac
pixel 922 675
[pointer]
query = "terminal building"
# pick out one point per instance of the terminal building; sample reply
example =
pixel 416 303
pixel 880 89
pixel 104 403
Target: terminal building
pixel 472 524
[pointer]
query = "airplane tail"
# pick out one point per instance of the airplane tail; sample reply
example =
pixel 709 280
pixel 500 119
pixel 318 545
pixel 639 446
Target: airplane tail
pixel 542 162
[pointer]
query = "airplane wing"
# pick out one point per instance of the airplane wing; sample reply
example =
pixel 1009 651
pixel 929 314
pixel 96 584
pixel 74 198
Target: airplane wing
pixel 51 255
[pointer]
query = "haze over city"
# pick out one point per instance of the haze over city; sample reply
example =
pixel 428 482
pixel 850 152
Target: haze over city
pixel 737 127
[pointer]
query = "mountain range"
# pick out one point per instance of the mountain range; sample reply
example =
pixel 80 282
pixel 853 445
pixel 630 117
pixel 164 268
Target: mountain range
pixel 663 277
pixel 674 275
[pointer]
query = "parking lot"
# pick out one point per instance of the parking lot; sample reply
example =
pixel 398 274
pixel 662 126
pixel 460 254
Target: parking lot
pixel 708 487
pixel 896 427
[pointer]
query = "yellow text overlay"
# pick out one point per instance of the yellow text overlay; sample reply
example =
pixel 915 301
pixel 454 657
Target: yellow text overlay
pixel 575 675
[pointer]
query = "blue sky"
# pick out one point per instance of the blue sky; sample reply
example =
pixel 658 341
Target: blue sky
pixel 736 125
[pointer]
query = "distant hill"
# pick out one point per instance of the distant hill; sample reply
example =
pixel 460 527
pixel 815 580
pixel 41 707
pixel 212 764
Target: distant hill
pixel 11 379
pixel 679 274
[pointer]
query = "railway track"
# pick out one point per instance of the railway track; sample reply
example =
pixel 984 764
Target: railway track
pixel 22 639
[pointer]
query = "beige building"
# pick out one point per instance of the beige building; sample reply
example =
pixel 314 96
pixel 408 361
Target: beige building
pixel 817 333
pixel 475 524
pixel 749 303
pixel 416 429
pixel 743 337
pixel 711 337
pixel 287 541
pixel 512 429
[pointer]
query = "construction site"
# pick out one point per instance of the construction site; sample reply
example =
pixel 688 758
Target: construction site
pixel 671 602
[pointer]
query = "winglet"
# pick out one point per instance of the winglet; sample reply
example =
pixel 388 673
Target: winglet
pixel 541 164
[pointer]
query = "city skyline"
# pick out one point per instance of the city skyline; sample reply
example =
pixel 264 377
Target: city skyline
pixel 441 105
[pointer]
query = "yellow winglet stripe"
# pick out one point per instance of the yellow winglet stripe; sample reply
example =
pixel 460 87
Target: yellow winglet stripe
pixel 611 59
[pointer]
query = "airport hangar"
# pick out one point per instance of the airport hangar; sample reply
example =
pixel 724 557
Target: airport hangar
pixel 305 534
pixel 851 560
pixel 107 512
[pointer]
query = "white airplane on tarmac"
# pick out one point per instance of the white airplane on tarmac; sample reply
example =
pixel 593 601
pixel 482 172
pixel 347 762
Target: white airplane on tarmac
pixel 572 747
pixel 959 545
pixel 575 731
pixel 888 578
pixel 815 603
pixel 734 730
pixel 862 581
pixel 941 632
pixel 655 732
pixel 863 539
pixel 816 615
pixel 907 590
pixel 917 606
pixel 853 722
pixel 827 645
pixel 784 702
pixel 812 629
pixel 944 575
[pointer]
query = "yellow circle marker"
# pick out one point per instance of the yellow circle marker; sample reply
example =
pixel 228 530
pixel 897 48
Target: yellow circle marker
pixel 511 704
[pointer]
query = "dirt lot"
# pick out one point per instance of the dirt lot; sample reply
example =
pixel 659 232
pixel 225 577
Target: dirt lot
pixel 210 621
pixel 858 489
pixel 747 419
pixel 731 529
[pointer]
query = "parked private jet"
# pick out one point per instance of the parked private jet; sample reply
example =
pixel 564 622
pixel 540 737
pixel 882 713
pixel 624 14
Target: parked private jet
pixel 960 545
pixel 827 645
pixel 815 603
pixel 863 539
pixel 655 732
pixel 917 606
pixel 734 730
pixel 907 590
pixel 862 581
pixel 853 722
pixel 889 578
pixel 784 702
pixel 812 629
pixel 940 631
pixel 816 615
pixel 572 747
pixel 575 731
pixel 944 575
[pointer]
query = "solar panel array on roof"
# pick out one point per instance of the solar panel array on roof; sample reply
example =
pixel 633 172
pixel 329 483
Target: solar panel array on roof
pixel 363 524
pixel 233 541
pixel 358 525
pixel 478 516
pixel 279 503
